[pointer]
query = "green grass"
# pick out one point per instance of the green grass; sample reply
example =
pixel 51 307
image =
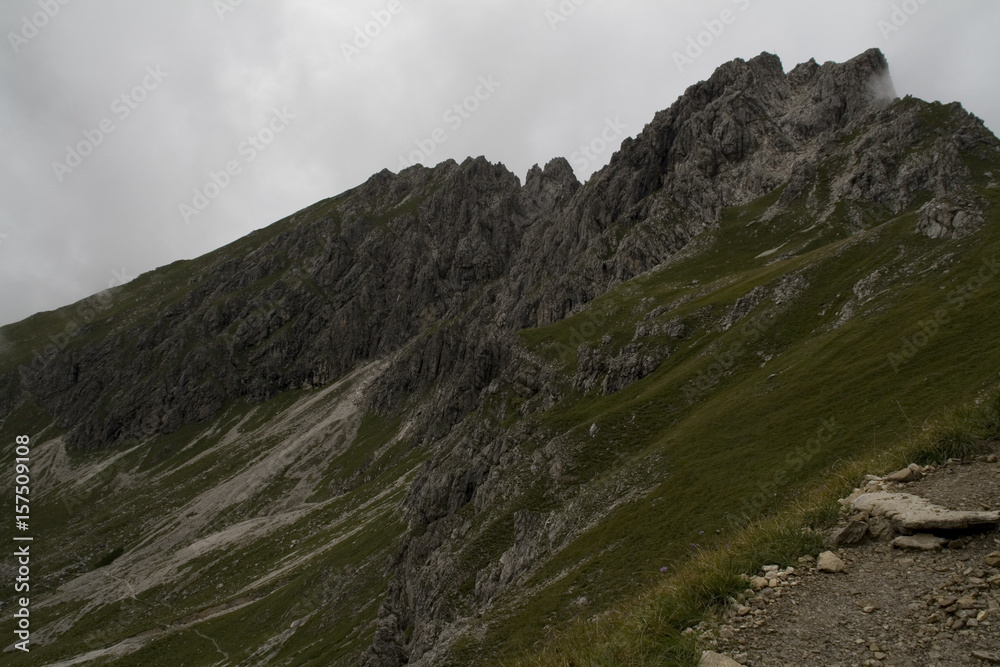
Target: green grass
pixel 347 565
pixel 771 447
pixel 730 455
pixel 646 629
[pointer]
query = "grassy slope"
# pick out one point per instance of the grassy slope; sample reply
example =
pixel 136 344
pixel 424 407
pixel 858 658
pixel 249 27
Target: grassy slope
pixel 747 444
pixel 754 440
pixel 345 537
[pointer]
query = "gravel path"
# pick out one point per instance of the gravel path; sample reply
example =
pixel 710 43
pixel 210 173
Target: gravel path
pixel 888 606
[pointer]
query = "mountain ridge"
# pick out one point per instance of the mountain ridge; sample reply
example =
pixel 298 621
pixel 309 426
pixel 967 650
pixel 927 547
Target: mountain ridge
pixel 717 110
pixel 536 359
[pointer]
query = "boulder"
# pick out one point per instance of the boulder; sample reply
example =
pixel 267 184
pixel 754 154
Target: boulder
pixel 912 514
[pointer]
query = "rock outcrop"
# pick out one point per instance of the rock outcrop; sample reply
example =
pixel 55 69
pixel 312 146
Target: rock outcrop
pixel 912 514
pixel 917 599
pixel 433 272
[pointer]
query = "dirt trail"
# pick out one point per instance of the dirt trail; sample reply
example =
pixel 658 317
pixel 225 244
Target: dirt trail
pixel 889 606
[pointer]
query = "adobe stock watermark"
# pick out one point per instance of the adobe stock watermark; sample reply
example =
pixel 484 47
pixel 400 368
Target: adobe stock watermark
pixel 714 28
pixel 610 136
pixel 248 149
pixel 223 7
pixel 912 343
pixel 365 34
pixel 121 108
pixel 751 505
pixel 562 12
pixel 87 311
pixel 751 332
pixel 30 26
pixel 96 487
pixel 455 117
pixel 898 17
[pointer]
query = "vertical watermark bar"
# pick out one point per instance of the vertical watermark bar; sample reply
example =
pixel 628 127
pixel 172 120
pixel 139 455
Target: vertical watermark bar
pixel 22 551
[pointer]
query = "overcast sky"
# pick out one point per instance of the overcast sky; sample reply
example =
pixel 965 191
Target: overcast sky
pixel 133 134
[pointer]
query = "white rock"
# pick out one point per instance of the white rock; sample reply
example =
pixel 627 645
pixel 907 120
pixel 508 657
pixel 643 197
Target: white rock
pixel 830 562
pixel 922 541
pixel 905 475
pixel 713 659
pixel 912 513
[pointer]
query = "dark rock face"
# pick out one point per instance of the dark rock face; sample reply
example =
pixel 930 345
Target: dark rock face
pixel 939 219
pixel 435 270
pixel 446 262
pixel 741 134
pixel 612 373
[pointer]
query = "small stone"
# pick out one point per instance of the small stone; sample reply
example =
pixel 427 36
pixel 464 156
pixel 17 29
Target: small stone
pixel 981 616
pixel 905 475
pixel 959 543
pixel 742 610
pixel 726 633
pixel 966 602
pixel 879 526
pixel 921 541
pixel 830 562
pixel 945 600
pixel 772 583
pixel 805 560
pixel 993 559
pixel 713 659
pixel 758 583
pixel 991 658
pixel 771 568
pixel 880 656
pixel 992 458
pixel 868 609
pixel 852 533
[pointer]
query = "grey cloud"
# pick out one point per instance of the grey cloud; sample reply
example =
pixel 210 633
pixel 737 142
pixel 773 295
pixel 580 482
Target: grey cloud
pixel 562 81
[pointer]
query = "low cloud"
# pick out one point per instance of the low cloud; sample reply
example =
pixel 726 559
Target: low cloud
pixel 225 71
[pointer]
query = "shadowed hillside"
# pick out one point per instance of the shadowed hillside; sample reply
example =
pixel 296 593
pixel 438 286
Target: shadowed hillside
pixel 433 419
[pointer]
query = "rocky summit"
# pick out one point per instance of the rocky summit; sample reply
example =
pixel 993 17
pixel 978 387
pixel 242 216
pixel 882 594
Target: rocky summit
pixel 449 418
